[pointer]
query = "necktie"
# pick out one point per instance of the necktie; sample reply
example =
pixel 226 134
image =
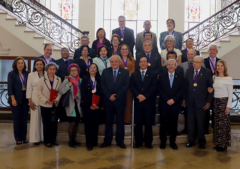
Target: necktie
pixel 196 74
pixel 212 65
pixel 143 75
pixel 114 75
pixel 148 56
pixel 122 31
pixel 171 80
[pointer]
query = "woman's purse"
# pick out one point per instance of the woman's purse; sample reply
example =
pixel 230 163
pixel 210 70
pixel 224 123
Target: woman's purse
pixel 65 98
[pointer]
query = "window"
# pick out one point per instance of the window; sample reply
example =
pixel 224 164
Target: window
pixel 67 9
pixel 196 11
pixel 135 11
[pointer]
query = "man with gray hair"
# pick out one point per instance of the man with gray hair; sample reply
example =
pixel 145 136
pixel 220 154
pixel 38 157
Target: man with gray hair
pixel 189 46
pixel 197 99
pixel 171 89
pixel 126 34
pixel 140 36
pixel 84 41
pixel 147 36
pixel 115 84
pixel 177 35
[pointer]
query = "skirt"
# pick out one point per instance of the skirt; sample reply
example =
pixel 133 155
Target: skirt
pixel 222 126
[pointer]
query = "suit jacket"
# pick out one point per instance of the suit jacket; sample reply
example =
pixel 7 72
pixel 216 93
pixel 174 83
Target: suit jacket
pixel 77 54
pixel 128 37
pixel 207 63
pixel 86 92
pixel 178 70
pixel 140 40
pixel 166 92
pixel 83 67
pixel 15 86
pixel 44 87
pixel 185 67
pixel 63 68
pixel 105 42
pixel 120 87
pixel 147 87
pixel 52 60
pixel 184 54
pixel 32 86
pixel 178 40
pixel 199 94
pixel 156 66
pixel 139 49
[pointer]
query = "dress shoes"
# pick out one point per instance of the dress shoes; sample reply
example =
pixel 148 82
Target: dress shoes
pixel 18 143
pixel 174 146
pixel 36 144
pixel 162 146
pixel 55 144
pixel 70 143
pixel 48 145
pixel 25 142
pixel 202 146
pixel 104 145
pixel 136 145
pixel 189 145
pixel 149 146
pixel 77 143
pixel 90 148
pixel 121 145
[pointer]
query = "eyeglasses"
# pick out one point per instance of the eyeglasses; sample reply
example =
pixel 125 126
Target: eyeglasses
pixel 74 70
pixel 143 61
pixel 170 41
pixel 147 36
pixel 212 49
pixel 196 62
pixel 84 40
pixel 93 68
pixel 65 52
pixel 171 64
pixel 84 50
pixel 115 40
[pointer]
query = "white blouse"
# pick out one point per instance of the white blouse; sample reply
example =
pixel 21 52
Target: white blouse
pixel 164 54
pixel 223 87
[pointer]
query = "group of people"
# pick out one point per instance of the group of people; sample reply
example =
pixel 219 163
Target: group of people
pixel 182 79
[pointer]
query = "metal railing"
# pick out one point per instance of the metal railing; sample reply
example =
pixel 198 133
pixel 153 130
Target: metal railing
pixel 214 27
pixel 45 21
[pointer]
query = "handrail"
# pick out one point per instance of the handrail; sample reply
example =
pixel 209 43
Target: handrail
pixel 215 26
pixel 45 21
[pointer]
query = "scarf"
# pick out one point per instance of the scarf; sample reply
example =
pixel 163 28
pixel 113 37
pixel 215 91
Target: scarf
pixel 76 86
pixel 104 59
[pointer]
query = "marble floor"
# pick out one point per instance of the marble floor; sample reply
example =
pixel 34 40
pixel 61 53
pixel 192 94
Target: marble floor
pixel 29 156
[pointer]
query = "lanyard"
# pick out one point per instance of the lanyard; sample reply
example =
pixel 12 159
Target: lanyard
pixel 46 60
pixel 87 63
pixel 93 84
pixel 105 63
pixel 172 32
pixel 125 63
pixel 39 75
pixel 113 51
pixel 213 66
pixel 23 79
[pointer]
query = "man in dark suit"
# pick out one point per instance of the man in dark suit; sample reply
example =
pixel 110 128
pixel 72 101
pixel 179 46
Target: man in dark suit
pixel 47 54
pixel 210 63
pixel 143 87
pixel 173 55
pixel 146 36
pixel 170 89
pixel 154 66
pixel 189 46
pixel 126 34
pixel 114 83
pixel 84 41
pixel 197 100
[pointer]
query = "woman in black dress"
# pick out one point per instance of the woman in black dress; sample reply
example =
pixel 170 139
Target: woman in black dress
pixel 101 40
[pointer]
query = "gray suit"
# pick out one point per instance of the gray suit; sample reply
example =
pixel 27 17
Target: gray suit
pixel 140 40
pixel 184 65
pixel 178 40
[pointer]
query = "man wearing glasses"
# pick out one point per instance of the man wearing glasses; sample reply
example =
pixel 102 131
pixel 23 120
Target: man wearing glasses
pixel 126 34
pixel 197 100
pixel 189 46
pixel 146 36
pixel 84 41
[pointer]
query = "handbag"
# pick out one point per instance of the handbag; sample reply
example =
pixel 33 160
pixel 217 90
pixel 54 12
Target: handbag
pixel 65 99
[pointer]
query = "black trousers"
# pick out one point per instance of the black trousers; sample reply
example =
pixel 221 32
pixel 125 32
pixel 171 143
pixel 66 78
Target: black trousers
pixel 49 126
pixel 91 123
pixel 165 115
pixel 196 122
pixel 142 115
pixel 153 105
pixel 20 117
pixel 120 111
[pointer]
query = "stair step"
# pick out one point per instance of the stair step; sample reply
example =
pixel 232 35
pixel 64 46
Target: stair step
pixel 20 25
pixel 10 19
pixel 39 37
pixel 225 41
pixel 26 31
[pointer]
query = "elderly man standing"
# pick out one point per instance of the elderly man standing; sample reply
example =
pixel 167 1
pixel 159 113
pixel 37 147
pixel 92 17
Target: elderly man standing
pixel 140 36
pixel 47 54
pixel 171 31
pixel 84 41
pixel 197 100
pixel 146 36
pixel 170 89
pixel 126 34
pixel 189 46
pixel 114 83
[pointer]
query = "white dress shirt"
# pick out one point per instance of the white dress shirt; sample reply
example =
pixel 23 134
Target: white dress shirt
pixel 144 72
pixel 195 73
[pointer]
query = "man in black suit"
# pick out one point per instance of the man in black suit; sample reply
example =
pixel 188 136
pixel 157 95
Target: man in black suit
pixel 84 41
pixel 197 100
pixel 170 89
pixel 173 55
pixel 143 87
pixel 154 66
pixel 189 46
pixel 47 54
pixel 114 83
pixel 146 36
pixel 210 63
pixel 126 34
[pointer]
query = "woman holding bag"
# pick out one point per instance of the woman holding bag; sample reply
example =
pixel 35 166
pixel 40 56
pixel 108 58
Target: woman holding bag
pixel 72 107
